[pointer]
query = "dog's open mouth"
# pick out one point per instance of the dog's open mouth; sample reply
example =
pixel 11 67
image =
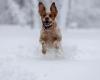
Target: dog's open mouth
pixel 47 25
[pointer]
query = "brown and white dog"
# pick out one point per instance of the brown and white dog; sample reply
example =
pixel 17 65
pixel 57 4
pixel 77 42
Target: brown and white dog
pixel 50 36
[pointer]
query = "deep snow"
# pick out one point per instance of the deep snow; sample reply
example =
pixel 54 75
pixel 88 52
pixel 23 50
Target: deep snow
pixel 21 58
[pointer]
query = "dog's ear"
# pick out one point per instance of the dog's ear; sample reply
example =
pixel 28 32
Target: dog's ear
pixel 42 9
pixel 53 10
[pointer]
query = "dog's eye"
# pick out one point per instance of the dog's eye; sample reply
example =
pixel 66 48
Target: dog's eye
pixel 44 15
pixel 50 15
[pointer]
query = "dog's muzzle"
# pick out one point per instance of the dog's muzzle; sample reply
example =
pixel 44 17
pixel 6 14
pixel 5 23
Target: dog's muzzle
pixel 47 24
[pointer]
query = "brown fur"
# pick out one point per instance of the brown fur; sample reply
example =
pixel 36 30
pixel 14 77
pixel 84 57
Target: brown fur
pixel 51 37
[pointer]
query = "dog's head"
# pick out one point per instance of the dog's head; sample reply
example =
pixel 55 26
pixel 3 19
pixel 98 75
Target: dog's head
pixel 48 18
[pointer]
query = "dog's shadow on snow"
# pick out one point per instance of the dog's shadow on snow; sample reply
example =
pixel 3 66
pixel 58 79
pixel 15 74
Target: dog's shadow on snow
pixel 68 52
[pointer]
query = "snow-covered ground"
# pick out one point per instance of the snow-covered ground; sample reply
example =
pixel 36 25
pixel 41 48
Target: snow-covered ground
pixel 21 58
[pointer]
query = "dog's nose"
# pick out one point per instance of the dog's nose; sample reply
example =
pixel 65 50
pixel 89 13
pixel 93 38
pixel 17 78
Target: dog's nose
pixel 47 19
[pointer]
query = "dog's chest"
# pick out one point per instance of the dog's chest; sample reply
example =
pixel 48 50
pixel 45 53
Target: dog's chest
pixel 49 36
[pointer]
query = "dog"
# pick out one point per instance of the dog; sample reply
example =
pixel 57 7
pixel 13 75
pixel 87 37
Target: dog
pixel 50 36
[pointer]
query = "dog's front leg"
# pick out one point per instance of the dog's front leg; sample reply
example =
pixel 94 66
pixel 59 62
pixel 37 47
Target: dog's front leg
pixel 43 47
pixel 56 44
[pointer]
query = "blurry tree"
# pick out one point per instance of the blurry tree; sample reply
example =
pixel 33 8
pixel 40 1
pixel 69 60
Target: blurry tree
pixel 21 11
pixel 69 11
pixel 96 3
pixel 21 2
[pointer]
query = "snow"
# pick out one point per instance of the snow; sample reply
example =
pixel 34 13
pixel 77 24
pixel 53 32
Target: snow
pixel 20 50
pixel 21 58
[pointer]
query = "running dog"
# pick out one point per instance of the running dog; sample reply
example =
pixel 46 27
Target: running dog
pixel 50 36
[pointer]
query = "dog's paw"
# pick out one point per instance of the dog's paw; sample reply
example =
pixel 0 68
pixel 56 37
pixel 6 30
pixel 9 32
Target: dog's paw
pixel 42 42
pixel 43 51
